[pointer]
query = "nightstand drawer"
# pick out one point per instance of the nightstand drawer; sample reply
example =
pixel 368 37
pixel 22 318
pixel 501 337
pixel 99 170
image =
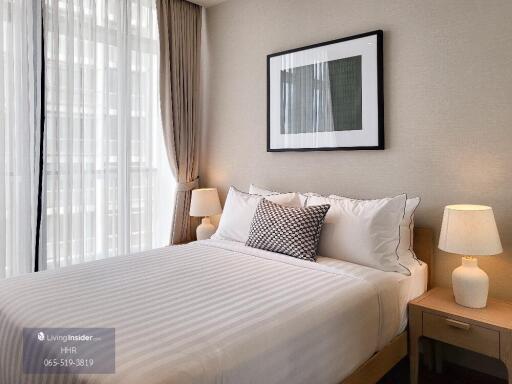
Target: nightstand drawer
pixel 462 334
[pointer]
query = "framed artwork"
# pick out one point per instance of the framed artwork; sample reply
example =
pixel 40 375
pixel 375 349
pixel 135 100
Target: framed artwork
pixel 327 96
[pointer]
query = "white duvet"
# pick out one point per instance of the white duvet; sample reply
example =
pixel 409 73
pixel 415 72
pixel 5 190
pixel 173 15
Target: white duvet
pixel 208 312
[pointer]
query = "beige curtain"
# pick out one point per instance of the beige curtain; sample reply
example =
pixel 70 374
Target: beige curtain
pixel 179 25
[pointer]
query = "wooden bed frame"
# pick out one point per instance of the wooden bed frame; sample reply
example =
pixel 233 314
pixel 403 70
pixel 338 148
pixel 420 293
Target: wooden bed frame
pixel 381 362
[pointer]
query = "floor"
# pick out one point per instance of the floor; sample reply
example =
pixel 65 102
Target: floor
pixel 453 374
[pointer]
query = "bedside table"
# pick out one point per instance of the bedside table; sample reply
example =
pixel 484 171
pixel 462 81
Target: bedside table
pixel 487 331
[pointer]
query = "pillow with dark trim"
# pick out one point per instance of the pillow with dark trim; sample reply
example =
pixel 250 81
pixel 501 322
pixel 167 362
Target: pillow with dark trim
pixel 365 232
pixel 291 231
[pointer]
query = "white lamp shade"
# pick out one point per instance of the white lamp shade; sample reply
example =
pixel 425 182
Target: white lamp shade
pixel 205 202
pixel 469 230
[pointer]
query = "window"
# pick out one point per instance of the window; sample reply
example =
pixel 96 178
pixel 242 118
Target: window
pixel 108 182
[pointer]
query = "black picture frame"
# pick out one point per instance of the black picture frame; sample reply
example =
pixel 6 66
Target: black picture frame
pixel 380 95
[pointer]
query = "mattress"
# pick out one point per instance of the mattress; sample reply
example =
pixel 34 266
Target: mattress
pixel 409 286
pixel 209 312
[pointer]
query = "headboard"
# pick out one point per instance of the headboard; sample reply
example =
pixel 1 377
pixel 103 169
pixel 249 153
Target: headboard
pixel 424 249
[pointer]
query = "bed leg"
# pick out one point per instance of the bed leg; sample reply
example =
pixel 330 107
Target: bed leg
pixel 414 338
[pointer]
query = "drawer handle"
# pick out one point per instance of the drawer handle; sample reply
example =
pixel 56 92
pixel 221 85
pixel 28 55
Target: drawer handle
pixel 458 324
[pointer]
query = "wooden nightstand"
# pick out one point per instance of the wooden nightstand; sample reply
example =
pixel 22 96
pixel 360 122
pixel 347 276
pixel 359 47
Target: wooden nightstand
pixel 436 315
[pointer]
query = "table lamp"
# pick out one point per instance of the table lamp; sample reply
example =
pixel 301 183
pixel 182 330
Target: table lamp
pixel 470 230
pixel 205 203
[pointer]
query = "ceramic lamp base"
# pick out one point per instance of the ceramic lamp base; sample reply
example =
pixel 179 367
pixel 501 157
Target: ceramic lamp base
pixel 470 284
pixel 205 230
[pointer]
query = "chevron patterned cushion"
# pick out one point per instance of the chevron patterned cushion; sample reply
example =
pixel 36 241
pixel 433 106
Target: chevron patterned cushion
pixel 291 231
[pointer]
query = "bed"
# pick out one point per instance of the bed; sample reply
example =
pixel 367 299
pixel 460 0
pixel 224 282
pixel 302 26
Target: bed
pixel 219 312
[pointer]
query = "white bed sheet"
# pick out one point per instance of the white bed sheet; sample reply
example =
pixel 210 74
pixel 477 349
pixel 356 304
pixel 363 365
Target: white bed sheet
pixel 209 312
pixel 388 285
pixel 409 287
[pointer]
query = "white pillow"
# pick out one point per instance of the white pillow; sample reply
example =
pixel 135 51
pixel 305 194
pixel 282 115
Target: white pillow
pixel 405 248
pixel 365 232
pixel 239 210
pixel 255 190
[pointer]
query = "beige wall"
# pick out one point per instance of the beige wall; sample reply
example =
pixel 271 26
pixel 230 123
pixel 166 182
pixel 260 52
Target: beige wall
pixel 448 107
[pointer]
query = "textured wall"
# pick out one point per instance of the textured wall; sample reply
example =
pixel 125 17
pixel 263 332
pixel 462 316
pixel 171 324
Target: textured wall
pixel 448 112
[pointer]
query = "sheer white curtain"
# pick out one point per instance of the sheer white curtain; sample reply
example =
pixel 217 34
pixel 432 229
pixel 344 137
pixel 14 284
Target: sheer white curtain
pixel 20 60
pixel 107 181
